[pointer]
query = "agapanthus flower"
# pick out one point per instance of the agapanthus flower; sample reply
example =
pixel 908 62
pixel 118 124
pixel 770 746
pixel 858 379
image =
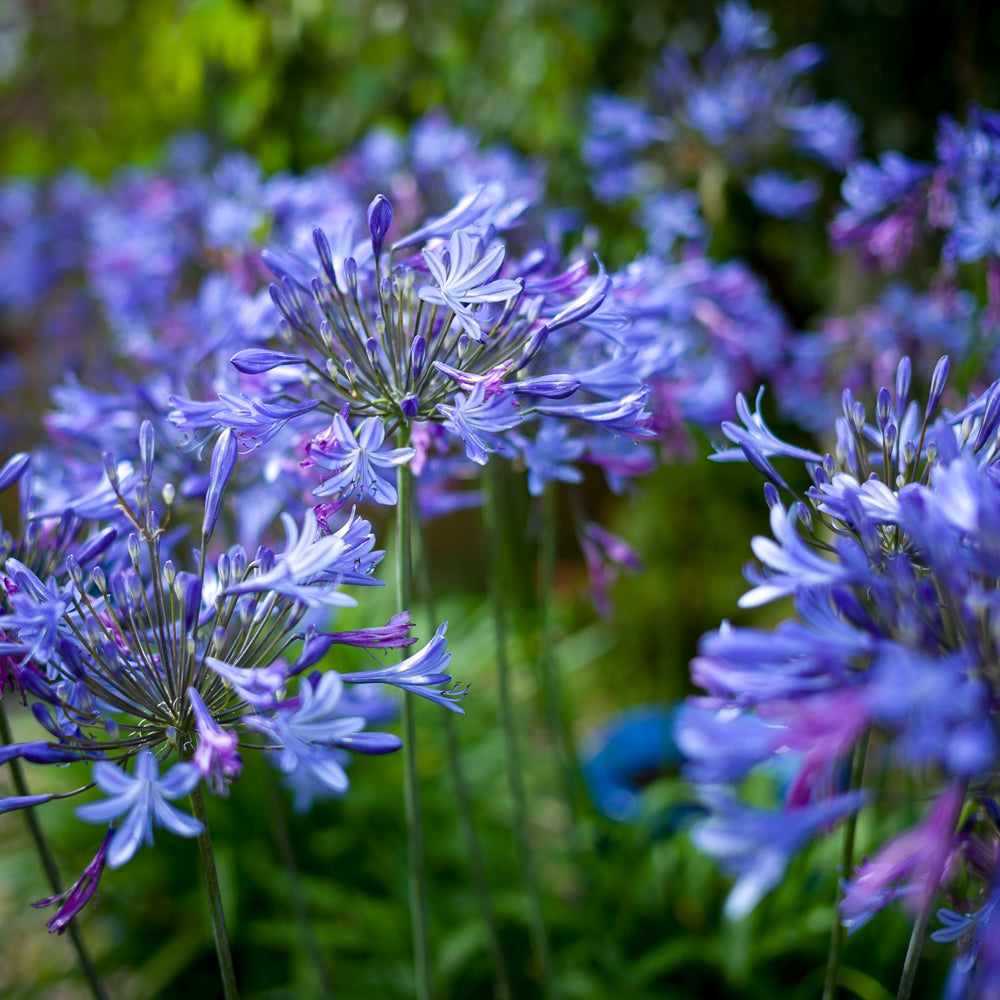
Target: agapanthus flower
pixel 890 660
pixel 735 113
pixel 896 205
pixel 441 327
pixel 164 677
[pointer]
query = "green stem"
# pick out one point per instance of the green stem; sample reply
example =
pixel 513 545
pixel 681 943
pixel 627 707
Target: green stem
pixel 525 855
pixel 846 863
pixel 411 788
pixel 913 951
pixel 559 733
pixel 296 890
pixel 484 899
pixel 473 846
pixel 211 879
pixel 49 862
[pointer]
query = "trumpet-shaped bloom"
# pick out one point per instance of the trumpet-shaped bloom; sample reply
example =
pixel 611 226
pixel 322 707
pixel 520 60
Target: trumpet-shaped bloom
pixel 141 799
pixel 360 464
pixel 424 673
pixel 310 732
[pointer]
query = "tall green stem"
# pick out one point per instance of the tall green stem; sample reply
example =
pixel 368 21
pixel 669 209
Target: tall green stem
pixel 525 855
pixel 916 946
pixel 562 740
pixel 846 863
pixel 49 863
pixel 473 846
pixel 210 876
pixel 299 903
pixel 411 787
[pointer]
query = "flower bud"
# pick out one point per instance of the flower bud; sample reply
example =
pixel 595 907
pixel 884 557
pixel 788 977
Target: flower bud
pixel 132 545
pixel 283 305
pixel 351 273
pixel 938 380
pixel 110 468
pixel 883 407
pixel 903 372
pixel 14 468
pixel 147 448
pixel 325 255
pixel 223 462
pixel 418 354
pixel 533 345
pixel 379 219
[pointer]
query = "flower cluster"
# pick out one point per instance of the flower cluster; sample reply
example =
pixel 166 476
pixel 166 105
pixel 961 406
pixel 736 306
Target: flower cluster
pixel 893 562
pixel 892 205
pixel 737 112
pixel 434 339
pixel 132 661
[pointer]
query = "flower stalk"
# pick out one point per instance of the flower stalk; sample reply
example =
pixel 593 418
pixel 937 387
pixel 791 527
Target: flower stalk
pixel 411 787
pixel 846 864
pixel 515 780
pixel 559 734
pixel 49 863
pixel 467 819
pixel 210 876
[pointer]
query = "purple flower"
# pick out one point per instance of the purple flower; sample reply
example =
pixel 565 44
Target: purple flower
pixel 793 562
pixel 253 421
pixel 756 845
pixel 424 673
pixel 912 866
pixel 757 434
pixel 466 275
pixel 392 635
pixel 257 686
pixel 310 733
pixel 479 418
pixel 357 461
pixel 380 214
pixel 141 798
pixel 781 195
pixel 73 900
pixel 626 415
pixel 547 457
pixel 975 973
pixel 828 132
pixel 311 567
pixel 215 755
pixel 604 555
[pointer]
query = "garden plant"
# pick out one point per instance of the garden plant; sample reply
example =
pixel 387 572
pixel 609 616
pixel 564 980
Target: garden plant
pixel 434 428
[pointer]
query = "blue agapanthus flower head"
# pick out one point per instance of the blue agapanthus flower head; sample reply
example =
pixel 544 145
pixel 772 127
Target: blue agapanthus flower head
pixel 739 112
pixel 892 558
pixel 162 669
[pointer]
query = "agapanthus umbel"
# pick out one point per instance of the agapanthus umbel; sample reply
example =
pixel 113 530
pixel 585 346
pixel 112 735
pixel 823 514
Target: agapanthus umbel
pixel 893 562
pixel 438 328
pixel 892 206
pixel 736 113
pixel 165 677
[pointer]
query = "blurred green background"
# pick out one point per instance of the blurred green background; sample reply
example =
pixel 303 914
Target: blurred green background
pixel 95 85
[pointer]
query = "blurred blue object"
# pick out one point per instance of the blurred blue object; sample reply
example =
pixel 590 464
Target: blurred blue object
pixel 624 754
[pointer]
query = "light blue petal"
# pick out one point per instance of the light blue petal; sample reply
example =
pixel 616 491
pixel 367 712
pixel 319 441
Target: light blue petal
pixel 179 780
pixel 174 820
pixel 127 838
